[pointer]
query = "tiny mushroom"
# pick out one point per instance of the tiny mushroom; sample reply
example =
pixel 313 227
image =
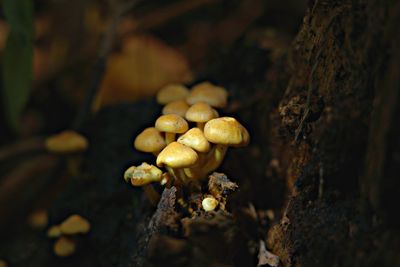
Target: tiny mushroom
pixel 172 92
pixel 75 224
pixel 150 140
pixel 64 247
pixel 178 107
pixel 171 124
pixel 3 263
pixel 209 203
pixel 66 142
pixel 201 113
pixel 211 94
pixel 224 131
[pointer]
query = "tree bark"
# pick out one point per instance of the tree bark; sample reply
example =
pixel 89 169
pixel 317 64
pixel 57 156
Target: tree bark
pixel 332 131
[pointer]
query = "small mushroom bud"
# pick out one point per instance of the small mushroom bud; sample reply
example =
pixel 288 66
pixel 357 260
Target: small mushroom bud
pixel 54 231
pixel 75 224
pixel 209 203
pixel 66 142
pixel 171 124
pixel 178 107
pixel 172 92
pixel 206 92
pixel 64 247
pixel 3 263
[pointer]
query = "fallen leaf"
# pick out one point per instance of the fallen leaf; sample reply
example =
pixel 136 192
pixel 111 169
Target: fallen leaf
pixel 144 65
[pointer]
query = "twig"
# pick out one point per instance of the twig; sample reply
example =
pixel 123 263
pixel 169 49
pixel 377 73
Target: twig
pixel 100 65
pixel 21 147
pixel 164 14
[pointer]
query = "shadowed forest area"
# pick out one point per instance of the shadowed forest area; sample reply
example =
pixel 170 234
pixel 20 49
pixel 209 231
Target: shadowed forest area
pixel 199 133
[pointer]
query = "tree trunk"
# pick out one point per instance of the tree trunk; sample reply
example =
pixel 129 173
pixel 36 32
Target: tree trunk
pixel 335 136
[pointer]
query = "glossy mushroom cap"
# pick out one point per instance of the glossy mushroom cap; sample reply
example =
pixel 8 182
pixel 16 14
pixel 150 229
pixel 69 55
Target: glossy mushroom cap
pixel 75 224
pixel 206 92
pixel 66 142
pixel 150 141
pixel 143 174
pixel 178 107
pixel 201 112
pixel 195 139
pixel 172 92
pixel 176 155
pixel 226 131
pixel 171 123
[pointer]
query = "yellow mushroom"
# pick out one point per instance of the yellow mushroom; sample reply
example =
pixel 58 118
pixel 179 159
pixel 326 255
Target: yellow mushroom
pixel 177 156
pixel 64 247
pixel 143 175
pixel 66 142
pixel 38 219
pixel 201 113
pixel 172 92
pixel 54 231
pixel 150 140
pixel 171 124
pixel 224 132
pixel 75 224
pixel 213 95
pixel 178 107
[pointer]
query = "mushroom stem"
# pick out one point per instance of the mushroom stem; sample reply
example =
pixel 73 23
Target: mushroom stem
pixel 217 156
pixel 200 125
pixel 151 194
pixel 169 137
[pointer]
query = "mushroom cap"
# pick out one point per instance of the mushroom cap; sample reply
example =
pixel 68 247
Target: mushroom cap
pixel 176 155
pixel 150 141
pixel 226 131
pixel 211 94
pixel 171 123
pixel 201 112
pixel 38 219
pixel 178 107
pixel 54 231
pixel 143 174
pixel 66 142
pixel 195 139
pixel 172 92
pixel 64 247
pixel 75 224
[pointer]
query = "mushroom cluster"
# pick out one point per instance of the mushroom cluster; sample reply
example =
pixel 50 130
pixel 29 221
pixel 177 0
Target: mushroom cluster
pixel 64 232
pixel 189 139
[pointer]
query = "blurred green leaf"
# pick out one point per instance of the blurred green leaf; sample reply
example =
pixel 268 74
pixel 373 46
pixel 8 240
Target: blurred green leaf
pixel 17 58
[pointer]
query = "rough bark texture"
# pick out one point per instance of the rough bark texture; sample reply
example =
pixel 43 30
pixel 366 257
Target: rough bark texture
pixel 339 61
